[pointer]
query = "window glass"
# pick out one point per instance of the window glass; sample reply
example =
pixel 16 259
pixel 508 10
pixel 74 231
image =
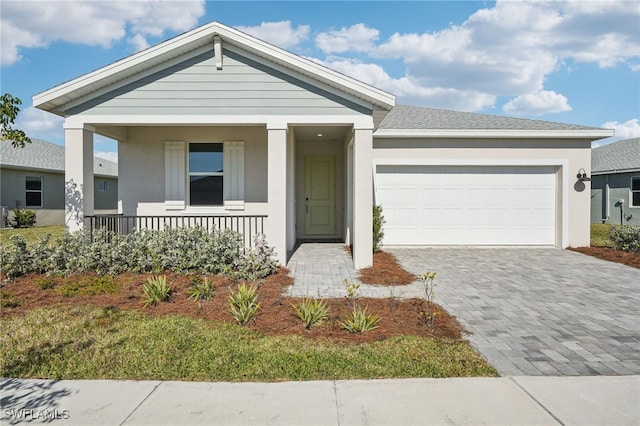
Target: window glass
pixel 34 183
pixel 206 174
pixel 102 185
pixel 205 158
pixel 635 191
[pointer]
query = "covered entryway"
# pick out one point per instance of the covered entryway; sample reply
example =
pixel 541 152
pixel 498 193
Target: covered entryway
pixel 468 205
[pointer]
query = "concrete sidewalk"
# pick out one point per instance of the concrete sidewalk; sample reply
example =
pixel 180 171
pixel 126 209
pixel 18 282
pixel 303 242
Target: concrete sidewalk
pixel 597 400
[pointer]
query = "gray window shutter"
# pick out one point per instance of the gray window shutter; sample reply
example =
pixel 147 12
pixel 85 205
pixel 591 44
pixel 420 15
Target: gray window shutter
pixel 175 175
pixel 234 175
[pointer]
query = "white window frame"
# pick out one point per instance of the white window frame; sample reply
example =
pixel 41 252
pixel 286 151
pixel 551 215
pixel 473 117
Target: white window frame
pixel 190 173
pixel 41 191
pixel 631 192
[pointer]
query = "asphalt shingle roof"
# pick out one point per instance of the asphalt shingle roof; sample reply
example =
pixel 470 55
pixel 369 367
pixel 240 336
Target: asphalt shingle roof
pixel 617 156
pixel 43 155
pixel 410 117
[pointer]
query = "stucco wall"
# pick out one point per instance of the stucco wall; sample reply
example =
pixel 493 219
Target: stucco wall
pixel 52 210
pixel 141 166
pixel 619 185
pixel 573 154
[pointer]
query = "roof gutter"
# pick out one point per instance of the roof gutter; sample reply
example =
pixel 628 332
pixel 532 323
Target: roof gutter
pixel 615 171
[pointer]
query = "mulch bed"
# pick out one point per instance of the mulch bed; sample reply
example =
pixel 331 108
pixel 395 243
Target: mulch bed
pixel 612 255
pixel 275 317
pixel 386 270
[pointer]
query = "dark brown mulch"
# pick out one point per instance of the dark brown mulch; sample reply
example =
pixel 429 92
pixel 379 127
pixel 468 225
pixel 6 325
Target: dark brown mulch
pixel 612 255
pixel 275 317
pixel 386 270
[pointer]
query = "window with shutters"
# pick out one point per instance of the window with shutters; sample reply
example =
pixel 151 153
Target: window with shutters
pixel 204 176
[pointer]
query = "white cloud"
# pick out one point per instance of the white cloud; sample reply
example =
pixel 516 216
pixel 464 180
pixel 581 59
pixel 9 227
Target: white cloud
pixel 627 130
pixel 511 48
pixel 28 24
pixel 39 124
pixel 356 38
pixel 138 42
pixel 111 156
pixel 410 91
pixel 543 102
pixel 281 33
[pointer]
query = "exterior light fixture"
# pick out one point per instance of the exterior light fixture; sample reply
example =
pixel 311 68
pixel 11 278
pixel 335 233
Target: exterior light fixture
pixel 319 135
pixel 582 176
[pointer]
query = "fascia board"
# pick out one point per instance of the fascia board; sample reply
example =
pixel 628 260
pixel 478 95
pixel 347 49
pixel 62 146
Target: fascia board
pixel 489 133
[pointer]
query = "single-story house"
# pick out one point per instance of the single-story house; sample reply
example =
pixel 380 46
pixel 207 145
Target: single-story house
pixel 615 183
pixel 33 178
pixel 216 123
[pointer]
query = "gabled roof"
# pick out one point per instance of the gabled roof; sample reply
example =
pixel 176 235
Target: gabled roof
pixel 410 121
pixel 617 157
pixel 45 156
pixel 55 98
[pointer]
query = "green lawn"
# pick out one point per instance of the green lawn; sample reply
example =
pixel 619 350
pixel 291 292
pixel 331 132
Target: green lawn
pixel 106 343
pixel 32 235
pixel 599 235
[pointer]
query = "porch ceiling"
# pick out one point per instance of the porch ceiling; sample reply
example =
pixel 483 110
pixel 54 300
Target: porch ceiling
pixel 328 133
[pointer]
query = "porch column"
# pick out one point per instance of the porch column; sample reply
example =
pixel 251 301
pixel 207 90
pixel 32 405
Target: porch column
pixel 276 231
pixel 362 198
pixel 78 179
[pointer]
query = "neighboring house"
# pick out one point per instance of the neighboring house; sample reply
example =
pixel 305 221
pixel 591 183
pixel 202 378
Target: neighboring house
pixel 33 178
pixel 615 183
pixel 215 122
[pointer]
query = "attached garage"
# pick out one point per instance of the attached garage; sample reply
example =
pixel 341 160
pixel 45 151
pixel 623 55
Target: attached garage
pixel 468 205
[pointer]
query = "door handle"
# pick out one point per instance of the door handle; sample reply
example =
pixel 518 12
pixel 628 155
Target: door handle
pixel 306 205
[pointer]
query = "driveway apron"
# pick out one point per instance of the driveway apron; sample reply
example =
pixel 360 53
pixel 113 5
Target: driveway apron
pixel 539 311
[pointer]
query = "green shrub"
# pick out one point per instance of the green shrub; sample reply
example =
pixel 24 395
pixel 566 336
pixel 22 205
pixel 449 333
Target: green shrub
pixel 244 303
pixel 311 311
pixel 360 321
pixel 378 223
pixel 24 218
pixel 427 280
pixel 201 289
pixel 626 237
pixel 156 290
pixel 183 250
pixel 88 286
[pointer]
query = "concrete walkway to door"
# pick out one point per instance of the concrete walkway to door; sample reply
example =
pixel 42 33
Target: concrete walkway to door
pixel 531 311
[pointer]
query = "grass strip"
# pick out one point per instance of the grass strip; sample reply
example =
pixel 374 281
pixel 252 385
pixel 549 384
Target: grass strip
pixel 33 235
pixel 106 343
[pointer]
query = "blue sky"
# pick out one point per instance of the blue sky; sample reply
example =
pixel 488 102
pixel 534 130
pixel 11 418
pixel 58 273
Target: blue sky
pixel 575 62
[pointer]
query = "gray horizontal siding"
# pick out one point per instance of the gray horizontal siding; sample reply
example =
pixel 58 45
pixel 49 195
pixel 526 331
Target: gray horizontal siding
pixel 195 86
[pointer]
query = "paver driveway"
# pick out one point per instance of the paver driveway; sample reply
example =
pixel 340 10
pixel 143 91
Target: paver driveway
pixel 539 311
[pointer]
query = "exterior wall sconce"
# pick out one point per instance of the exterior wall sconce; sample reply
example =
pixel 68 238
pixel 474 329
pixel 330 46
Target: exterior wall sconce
pixel 582 176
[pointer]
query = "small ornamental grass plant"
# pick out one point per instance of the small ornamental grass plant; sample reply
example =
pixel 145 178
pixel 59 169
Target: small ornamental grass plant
pixel 311 311
pixel 201 289
pixel 156 290
pixel 360 321
pixel 88 286
pixel 243 303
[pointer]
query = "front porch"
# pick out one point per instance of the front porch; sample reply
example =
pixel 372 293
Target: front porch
pixel 266 180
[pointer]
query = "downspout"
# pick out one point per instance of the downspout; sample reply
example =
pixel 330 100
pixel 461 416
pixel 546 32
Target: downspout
pixel 607 195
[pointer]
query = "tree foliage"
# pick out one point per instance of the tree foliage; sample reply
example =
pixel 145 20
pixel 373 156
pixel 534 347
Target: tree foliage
pixel 9 108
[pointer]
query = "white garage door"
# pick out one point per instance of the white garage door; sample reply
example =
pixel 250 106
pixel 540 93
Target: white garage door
pixel 434 205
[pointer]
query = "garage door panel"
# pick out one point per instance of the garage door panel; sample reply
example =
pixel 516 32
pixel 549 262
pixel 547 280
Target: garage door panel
pixel 467 205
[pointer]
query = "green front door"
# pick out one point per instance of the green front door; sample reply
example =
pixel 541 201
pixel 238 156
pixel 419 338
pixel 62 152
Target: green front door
pixel 319 195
